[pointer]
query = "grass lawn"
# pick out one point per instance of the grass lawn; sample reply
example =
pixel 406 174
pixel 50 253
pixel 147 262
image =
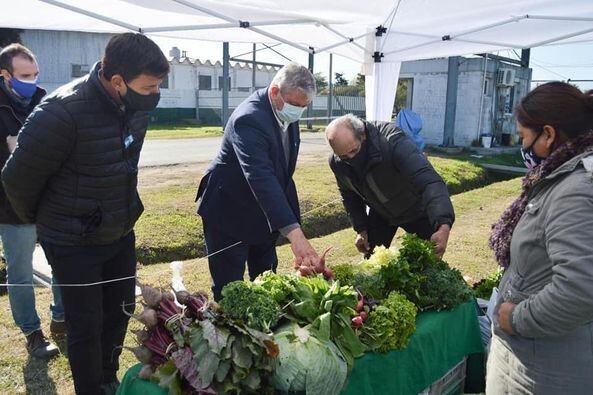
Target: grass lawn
pixel 476 211
pixel 162 131
pixel 158 132
pixel 170 230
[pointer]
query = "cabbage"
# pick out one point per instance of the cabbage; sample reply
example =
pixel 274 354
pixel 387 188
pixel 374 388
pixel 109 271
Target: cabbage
pixel 306 363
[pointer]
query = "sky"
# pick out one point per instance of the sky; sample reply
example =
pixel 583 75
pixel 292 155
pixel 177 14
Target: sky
pixel 553 62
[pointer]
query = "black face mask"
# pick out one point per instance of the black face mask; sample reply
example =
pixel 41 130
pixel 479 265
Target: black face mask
pixel 360 158
pixel 137 102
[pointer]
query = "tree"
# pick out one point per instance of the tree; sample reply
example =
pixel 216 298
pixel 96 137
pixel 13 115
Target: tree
pixel 340 80
pixel 401 96
pixel 9 36
pixel 320 82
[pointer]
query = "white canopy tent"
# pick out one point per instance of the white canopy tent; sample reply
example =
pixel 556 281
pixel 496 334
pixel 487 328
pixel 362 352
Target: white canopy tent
pixel 379 34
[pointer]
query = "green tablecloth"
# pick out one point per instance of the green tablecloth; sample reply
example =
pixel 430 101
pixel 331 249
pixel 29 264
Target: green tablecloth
pixel 440 342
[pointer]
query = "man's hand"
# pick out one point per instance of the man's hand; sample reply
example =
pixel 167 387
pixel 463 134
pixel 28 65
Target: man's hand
pixel 440 238
pixel 362 242
pixel 304 253
pixel 504 317
pixel 11 142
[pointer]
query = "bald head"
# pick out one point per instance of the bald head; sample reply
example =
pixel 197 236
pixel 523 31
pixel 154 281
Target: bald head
pixel 345 136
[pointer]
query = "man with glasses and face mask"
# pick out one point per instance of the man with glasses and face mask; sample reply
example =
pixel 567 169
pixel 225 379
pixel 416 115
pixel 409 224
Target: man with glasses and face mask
pixel 19 94
pixel 74 174
pixel 377 165
pixel 248 197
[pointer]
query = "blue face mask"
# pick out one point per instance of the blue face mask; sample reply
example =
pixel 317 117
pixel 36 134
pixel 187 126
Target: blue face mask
pixel 290 113
pixel 25 89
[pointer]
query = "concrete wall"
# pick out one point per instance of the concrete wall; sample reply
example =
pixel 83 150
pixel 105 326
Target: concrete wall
pixel 429 97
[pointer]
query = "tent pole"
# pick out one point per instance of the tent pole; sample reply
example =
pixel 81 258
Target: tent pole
pixel 253 68
pixel 451 104
pixel 225 83
pixel 330 96
pixel 93 15
pixel 310 107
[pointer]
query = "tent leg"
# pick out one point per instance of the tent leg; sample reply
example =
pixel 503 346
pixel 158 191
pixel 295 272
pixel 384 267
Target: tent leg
pixel 225 83
pixel 451 104
pixel 330 93
pixel 310 108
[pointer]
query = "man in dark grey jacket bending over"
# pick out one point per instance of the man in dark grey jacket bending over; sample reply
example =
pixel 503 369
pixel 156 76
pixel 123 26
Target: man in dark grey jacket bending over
pixel 378 166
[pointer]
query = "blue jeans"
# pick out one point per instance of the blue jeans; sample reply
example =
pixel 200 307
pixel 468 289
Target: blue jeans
pixel 18 242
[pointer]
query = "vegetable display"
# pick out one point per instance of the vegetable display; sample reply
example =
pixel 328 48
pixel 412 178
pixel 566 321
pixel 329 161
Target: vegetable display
pixel 292 333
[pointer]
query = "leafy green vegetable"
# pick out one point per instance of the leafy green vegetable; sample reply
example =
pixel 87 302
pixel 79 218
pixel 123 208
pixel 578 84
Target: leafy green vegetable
pixel 307 363
pixel 443 288
pixel 390 324
pixel 228 357
pixel 344 273
pixel 328 308
pixel 420 254
pixel 251 303
pixel 483 288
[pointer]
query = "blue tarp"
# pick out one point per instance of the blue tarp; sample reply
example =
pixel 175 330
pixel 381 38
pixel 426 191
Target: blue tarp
pixel 411 123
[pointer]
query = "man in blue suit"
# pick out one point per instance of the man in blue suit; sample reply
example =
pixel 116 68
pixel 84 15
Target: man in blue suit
pixel 248 197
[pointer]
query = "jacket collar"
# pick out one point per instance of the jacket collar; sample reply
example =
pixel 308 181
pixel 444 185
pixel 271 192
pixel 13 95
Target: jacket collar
pixel 95 79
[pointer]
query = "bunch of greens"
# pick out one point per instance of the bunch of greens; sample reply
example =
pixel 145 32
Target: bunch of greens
pixel 307 363
pixel 327 308
pixel 442 288
pixel 220 356
pixel 250 303
pixel 483 288
pixel 390 324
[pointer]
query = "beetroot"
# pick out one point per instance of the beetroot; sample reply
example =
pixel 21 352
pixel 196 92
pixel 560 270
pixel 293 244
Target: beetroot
pixel 148 317
pixel 142 335
pixel 146 372
pixel 363 315
pixel 143 354
pixel 152 296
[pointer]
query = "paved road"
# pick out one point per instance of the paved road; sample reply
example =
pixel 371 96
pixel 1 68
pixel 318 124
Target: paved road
pixel 170 152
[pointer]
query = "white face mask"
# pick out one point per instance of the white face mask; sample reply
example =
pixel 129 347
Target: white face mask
pixel 289 112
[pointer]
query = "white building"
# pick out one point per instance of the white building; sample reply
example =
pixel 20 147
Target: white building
pixel 487 93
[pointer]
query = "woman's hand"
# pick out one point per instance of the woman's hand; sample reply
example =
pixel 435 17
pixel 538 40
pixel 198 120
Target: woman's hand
pixel 504 317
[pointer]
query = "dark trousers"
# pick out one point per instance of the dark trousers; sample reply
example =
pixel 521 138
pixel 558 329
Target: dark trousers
pixel 381 233
pixel 94 318
pixel 229 265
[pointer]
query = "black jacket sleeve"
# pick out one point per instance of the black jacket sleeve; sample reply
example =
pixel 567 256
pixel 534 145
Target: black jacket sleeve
pixel 427 183
pixel 44 143
pixel 354 205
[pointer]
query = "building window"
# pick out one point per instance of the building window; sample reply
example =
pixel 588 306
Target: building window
pixel 78 70
pixel 485 86
pixel 220 83
pixel 204 82
pixel 165 82
pixel 244 89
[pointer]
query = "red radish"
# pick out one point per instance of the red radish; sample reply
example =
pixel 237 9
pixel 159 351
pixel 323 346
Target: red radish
pixel 146 372
pixel 328 274
pixel 357 322
pixel 319 269
pixel 360 304
pixel 305 271
pixel 363 315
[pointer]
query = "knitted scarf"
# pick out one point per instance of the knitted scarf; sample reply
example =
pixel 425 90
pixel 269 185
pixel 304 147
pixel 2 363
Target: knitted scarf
pixel 502 231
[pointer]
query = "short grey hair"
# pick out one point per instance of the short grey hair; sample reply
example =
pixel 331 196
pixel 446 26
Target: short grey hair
pixel 294 76
pixel 352 122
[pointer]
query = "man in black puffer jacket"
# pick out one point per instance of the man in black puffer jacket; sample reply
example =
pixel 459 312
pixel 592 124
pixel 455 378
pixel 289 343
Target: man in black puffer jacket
pixel 377 165
pixel 74 174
